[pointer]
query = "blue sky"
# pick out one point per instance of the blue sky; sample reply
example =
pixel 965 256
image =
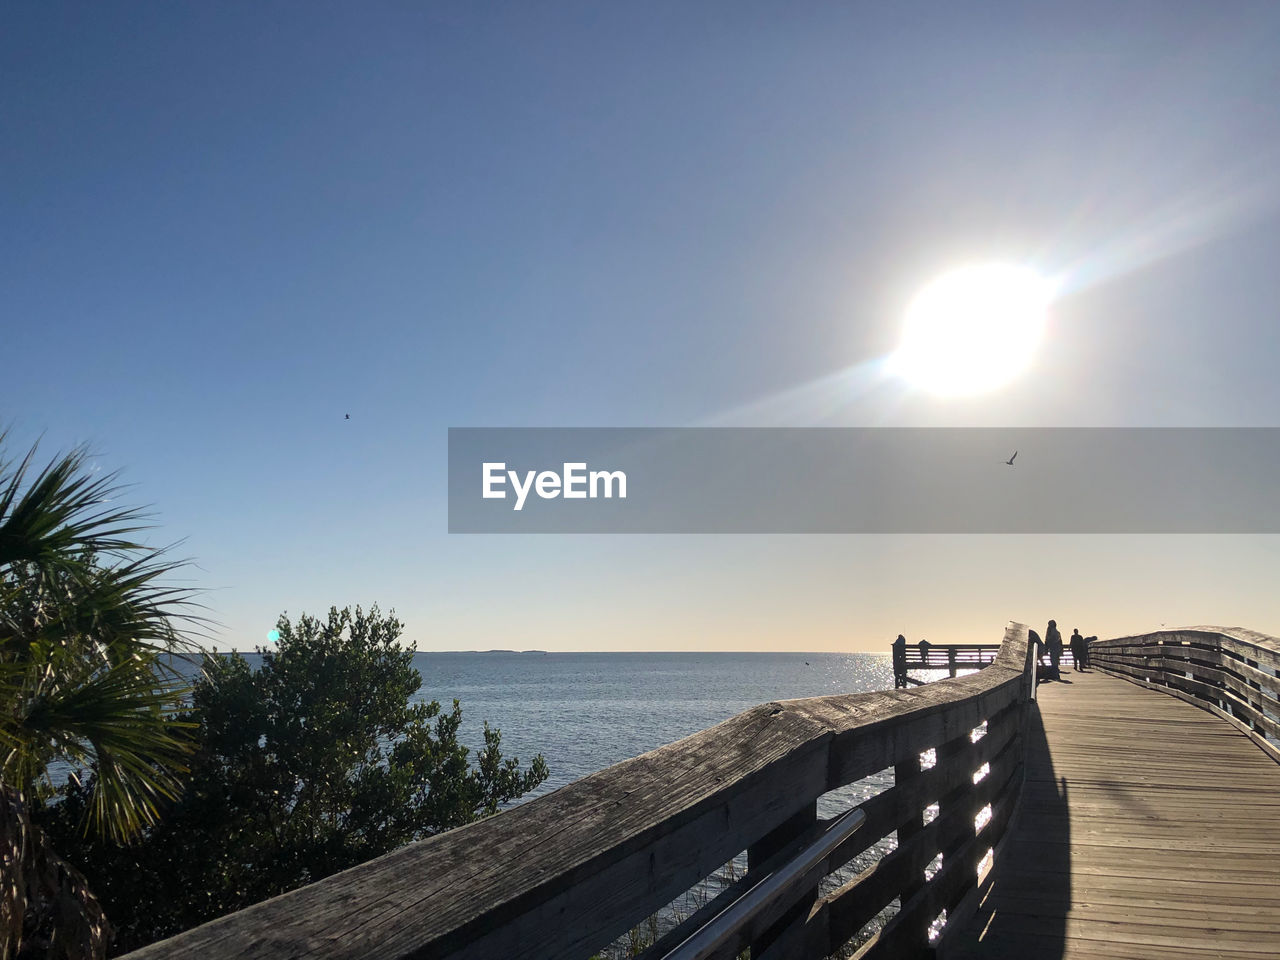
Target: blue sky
pixel 223 227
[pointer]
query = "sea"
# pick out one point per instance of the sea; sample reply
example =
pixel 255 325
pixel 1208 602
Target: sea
pixel 586 711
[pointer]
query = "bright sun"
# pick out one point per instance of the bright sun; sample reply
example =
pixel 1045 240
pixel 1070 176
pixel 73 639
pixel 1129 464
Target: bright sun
pixel 973 329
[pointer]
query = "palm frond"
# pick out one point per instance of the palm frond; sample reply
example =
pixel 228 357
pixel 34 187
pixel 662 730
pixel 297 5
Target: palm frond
pixel 89 625
pixel 63 513
pixel 125 607
pixel 119 719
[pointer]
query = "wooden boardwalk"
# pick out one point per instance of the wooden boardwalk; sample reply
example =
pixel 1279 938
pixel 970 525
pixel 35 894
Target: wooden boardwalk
pixel 1148 828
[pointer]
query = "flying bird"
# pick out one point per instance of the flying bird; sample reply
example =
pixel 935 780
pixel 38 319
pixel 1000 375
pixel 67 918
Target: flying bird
pixel 347 417
pixel 1009 462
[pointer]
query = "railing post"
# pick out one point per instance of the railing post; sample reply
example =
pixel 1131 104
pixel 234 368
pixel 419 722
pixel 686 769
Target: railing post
pixel 768 845
pixel 1255 704
pixel 904 773
pixel 951 660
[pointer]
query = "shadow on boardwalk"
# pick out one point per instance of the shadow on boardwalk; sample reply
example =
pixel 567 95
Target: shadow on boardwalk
pixel 1030 892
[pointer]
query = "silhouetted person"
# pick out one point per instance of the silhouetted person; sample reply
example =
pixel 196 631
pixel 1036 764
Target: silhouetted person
pixel 1053 640
pixel 899 662
pixel 1077 648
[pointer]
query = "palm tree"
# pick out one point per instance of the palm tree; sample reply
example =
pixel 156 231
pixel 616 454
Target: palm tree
pixel 88 634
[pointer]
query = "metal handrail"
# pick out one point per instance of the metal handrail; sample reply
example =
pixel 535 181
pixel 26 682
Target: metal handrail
pixel 721 928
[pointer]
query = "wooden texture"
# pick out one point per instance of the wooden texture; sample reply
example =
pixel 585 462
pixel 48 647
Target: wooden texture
pixel 565 874
pixel 1148 828
pixel 1230 671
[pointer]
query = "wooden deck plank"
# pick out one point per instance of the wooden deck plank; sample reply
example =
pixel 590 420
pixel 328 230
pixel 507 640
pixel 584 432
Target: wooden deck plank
pixel 1148 828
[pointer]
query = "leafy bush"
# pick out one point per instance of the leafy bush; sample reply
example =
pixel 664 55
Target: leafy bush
pixel 314 762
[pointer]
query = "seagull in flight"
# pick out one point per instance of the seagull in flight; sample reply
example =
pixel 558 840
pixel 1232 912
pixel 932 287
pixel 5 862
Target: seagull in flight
pixel 1009 462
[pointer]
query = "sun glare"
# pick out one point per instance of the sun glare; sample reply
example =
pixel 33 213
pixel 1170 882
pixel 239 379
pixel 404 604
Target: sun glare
pixel 973 329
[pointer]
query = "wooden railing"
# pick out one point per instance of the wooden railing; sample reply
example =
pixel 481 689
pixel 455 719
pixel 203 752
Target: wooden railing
pixel 1229 671
pixel 564 875
pixel 951 657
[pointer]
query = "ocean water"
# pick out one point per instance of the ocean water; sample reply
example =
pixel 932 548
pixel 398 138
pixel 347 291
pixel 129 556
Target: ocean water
pixel 585 711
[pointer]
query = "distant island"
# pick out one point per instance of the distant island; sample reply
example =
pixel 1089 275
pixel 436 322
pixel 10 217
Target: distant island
pixel 521 652
pixel 514 651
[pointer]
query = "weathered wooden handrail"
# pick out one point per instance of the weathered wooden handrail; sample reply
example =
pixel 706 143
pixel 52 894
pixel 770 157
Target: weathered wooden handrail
pixel 564 875
pixel 1229 671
